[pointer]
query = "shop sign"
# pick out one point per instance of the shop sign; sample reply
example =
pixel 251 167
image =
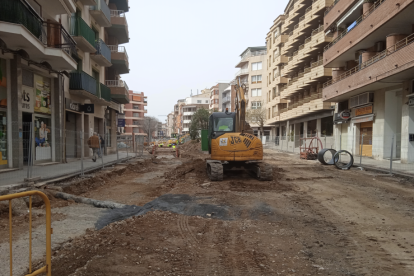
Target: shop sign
pixel 89 108
pixel 363 119
pixel 73 106
pixel 28 99
pixel 345 115
pixel 363 110
pixel 42 96
pixel 121 122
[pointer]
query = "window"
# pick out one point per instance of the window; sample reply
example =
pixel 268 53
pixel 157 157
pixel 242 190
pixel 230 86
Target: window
pixel 206 101
pixel 276 33
pixel 256 105
pixel 275 73
pixel 257 92
pixel 135 115
pixel 259 78
pixel 276 53
pixel 312 131
pixel 256 66
pixel 327 126
pixel 198 101
pixel 223 124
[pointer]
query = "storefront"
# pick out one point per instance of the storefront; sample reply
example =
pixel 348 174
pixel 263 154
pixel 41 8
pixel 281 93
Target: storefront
pixel 3 114
pixel 73 126
pixel 36 114
pixel 363 120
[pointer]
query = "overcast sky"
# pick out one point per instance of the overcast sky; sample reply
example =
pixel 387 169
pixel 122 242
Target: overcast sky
pixel 176 46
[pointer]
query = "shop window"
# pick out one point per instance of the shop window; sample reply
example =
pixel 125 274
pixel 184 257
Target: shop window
pixel 327 126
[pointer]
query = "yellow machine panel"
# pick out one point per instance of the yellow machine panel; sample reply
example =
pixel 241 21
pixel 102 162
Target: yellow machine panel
pixel 236 147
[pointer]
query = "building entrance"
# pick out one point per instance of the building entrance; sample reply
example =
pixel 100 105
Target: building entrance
pixel 366 138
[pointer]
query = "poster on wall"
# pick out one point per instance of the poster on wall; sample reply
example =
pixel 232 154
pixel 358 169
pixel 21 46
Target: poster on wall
pixel 42 104
pixel 27 99
pixel 42 138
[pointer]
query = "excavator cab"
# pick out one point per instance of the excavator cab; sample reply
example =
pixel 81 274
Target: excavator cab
pixel 219 124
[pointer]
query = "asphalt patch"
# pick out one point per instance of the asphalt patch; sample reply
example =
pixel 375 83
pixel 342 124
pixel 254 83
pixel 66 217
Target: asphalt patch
pixel 185 205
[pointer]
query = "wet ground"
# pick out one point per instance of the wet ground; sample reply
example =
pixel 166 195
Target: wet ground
pixel 310 220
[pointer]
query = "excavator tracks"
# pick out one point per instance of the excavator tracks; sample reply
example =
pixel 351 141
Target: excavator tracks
pixel 215 171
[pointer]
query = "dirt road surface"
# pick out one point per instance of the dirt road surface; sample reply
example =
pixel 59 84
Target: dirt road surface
pixel 311 220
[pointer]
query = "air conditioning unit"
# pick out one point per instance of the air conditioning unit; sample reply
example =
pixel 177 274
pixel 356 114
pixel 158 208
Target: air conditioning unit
pixel 362 99
pixel 411 102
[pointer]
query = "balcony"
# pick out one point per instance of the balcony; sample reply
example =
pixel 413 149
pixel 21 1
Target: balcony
pixel 385 69
pixel 86 86
pixel 88 2
pixel 121 4
pixel 101 13
pixel 102 56
pixel 82 34
pixel 53 8
pixel 330 17
pixel 105 92
pixel 226 100
pixel 380 20
pixel 119 91
pixel 119 28
pixel 242 72
pixel 22 29
pixel 119 59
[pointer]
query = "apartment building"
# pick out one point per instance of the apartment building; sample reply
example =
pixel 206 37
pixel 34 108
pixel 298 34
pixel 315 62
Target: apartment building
pixel 53 61
pixel 135 112
pixel 178 115
pixel 371 55
pixel 296 73
pixel 251 73
pixel 216 97
pixel 192 104
pixel 171 124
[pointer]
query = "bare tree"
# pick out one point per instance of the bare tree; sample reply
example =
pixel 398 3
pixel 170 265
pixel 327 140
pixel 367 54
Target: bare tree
pixel 150 125
pixel 257 116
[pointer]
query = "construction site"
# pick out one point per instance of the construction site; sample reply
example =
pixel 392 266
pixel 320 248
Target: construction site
pixel 159 214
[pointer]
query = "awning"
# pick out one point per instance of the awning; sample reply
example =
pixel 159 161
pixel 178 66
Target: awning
pixel 363 119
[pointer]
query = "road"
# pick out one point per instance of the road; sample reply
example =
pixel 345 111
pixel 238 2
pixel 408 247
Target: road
pixel 311 220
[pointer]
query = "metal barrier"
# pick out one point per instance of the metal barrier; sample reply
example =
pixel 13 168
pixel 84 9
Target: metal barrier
pixel 48 267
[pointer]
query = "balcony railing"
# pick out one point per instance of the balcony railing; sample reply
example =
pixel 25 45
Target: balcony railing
pixel 105 92
pixel 241 72
pixel 118 49
pixel 317 63
pixel 317 30
pixel 102 49
pixel 117 13
pixel 48 33
pixel 255 53
pixel 78 27
pixel 356 23
pixel 117 83
pixel 398 46
pixel 102 6
pixel 83 81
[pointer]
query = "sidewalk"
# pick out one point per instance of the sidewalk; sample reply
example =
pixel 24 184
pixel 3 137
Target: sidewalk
pixel 59 169
pixel 397 166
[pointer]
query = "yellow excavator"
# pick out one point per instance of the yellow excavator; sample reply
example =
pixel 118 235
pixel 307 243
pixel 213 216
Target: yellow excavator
pixel 232 144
